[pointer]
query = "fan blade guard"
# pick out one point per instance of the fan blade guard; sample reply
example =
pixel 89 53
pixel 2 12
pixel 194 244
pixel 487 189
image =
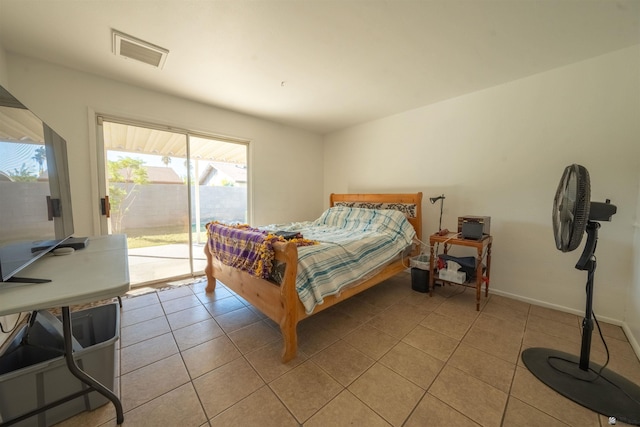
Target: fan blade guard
pixel 571 207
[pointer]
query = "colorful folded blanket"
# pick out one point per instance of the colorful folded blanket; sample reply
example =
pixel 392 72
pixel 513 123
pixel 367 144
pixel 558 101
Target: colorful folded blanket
pixel 244 247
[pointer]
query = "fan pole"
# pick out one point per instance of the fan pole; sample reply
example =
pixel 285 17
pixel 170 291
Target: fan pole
pixel 588 262
pixel 587 322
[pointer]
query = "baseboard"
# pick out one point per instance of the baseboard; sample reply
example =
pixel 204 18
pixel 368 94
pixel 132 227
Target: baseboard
pixel 632 339
pixel 627 331
pixel 546 304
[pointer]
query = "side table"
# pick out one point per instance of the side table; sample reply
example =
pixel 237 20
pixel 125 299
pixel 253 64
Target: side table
pixel 454 239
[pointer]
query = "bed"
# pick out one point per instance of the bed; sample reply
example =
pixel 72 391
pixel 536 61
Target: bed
pixel 279 299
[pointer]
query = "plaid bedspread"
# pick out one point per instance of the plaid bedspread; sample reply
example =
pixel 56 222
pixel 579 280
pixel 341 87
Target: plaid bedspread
pixel 353 243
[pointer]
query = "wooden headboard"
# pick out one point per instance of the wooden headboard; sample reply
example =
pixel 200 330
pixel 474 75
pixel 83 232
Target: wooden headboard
pixel 410 204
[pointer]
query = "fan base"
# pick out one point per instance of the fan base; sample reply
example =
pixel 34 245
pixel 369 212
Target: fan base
pixel 610 394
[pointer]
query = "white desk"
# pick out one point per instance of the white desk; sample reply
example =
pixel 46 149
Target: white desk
pixel 99 271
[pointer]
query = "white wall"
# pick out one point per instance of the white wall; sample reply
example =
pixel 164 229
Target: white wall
pixel 632 306
pixel 4 74
pixel 501 152
pixel 286 177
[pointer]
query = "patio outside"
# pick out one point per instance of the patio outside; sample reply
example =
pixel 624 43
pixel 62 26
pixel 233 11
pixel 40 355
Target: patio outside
pixel 158 257
pixel 158 239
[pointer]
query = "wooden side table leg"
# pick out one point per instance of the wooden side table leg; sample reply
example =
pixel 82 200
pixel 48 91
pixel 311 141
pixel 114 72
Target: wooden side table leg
pixel 478 278
pixel 431 278
pixel 486 285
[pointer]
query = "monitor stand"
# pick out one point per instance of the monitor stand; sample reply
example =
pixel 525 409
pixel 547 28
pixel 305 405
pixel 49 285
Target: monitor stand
pixel 75 243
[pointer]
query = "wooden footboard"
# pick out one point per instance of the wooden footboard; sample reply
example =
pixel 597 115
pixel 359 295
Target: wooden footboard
pixel 280 303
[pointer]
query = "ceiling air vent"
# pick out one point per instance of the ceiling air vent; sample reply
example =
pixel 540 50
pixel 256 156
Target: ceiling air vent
pixel 140 50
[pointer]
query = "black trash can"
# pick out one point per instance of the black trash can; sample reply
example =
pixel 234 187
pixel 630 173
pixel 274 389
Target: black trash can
pixel 420 273
pixel 420 280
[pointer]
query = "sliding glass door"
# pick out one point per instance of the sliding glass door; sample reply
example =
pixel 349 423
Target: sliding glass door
pixel 160 187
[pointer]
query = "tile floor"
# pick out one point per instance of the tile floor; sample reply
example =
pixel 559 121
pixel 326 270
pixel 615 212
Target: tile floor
pixel 390 356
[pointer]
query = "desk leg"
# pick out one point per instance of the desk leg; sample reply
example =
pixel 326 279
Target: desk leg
pixel 80 374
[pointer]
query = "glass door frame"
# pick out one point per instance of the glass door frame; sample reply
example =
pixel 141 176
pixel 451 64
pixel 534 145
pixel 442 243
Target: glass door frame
pixel 99 186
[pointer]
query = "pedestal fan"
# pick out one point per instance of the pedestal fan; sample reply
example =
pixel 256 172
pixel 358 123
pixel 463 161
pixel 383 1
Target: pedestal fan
pixel 591 385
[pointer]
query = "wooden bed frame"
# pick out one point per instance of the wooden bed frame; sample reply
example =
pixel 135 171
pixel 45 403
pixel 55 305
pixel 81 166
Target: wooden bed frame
pixel 280 303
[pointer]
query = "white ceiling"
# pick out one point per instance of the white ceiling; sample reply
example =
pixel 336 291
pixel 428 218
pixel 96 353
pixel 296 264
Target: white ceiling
pixel 321 65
